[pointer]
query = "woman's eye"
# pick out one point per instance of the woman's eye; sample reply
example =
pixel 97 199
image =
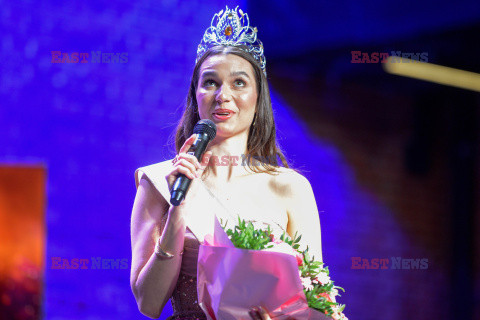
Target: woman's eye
pixel 240 83
pixel 209 83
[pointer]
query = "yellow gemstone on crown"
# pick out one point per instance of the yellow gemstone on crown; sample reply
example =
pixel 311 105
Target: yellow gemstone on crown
pixel 228 31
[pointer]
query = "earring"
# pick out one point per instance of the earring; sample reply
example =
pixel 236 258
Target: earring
pixel 254 119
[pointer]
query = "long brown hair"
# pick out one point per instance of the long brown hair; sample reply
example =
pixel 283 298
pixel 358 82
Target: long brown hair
pixel 262 147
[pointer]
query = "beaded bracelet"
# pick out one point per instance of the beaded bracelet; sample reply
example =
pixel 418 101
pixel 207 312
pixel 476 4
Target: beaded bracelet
pixel 162 254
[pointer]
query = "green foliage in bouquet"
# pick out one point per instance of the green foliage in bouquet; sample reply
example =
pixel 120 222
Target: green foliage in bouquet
pixel 319 289
pixel 319 295
pixel 245 236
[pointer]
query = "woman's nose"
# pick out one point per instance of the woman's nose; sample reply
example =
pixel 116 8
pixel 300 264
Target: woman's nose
pixel 223 94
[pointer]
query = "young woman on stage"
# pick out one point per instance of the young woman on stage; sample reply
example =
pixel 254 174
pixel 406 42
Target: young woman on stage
pixel 229 87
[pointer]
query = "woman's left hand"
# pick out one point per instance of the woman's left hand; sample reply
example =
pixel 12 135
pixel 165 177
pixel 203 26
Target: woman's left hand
pixel 259 313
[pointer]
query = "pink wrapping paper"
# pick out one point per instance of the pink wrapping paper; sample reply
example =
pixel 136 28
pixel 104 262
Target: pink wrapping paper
pixel 230 281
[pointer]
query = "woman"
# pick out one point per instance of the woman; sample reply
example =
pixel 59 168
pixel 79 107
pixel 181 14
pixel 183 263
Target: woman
pixel 229 87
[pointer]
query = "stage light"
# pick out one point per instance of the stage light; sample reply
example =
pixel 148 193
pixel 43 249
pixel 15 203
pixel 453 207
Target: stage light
pixel 433 73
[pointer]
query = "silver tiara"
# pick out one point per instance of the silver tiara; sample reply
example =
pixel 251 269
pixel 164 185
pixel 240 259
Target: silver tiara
pixel 228 28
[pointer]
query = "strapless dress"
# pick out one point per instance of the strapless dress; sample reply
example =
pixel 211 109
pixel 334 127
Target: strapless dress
pixel 184 298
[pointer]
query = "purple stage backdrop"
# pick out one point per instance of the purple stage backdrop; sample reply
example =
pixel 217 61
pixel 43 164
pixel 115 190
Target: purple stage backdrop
pixel 109 106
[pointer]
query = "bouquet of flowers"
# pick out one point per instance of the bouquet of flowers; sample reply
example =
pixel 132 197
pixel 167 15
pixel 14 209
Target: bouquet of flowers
pixel 244 267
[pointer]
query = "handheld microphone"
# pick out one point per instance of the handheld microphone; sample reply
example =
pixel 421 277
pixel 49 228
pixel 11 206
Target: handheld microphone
pixel 206 130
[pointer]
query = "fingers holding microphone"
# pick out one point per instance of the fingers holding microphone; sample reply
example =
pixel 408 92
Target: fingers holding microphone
pixel 191 162
pixel 187 164
pixel 199 167
pixel 183 163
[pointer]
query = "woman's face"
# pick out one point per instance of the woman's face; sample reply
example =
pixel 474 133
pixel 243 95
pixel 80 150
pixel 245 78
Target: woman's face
pixel 227 93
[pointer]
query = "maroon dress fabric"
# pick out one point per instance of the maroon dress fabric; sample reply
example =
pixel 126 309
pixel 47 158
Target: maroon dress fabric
pixel 184 298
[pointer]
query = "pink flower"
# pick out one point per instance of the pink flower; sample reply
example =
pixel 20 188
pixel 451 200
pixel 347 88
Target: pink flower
pixel 325 295
pixel 299 257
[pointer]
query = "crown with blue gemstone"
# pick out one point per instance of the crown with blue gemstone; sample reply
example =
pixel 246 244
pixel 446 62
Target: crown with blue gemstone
pixel 232 28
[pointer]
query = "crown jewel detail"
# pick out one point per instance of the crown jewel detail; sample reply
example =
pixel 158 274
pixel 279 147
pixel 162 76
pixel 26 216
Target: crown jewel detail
pixel 232 28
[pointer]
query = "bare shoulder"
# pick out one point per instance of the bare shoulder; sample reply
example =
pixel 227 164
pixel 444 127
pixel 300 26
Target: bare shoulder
pixel 149 199
pixel 289 182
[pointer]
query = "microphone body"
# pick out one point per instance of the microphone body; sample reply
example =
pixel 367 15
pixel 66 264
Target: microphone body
pixel 206 131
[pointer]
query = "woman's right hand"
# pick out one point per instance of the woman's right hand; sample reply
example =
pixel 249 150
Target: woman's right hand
pixel 188 165
pixel 259 313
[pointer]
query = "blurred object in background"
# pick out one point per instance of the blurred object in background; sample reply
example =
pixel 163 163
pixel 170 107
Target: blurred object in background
pixel 22 242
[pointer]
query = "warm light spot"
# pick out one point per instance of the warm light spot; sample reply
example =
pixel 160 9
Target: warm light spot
pixel 433 73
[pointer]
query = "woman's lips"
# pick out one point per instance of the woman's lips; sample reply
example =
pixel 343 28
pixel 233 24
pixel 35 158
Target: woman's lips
pixel 223 114
pixel 222 117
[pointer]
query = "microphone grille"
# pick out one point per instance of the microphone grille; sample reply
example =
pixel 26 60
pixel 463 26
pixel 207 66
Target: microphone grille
pixel 206 126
